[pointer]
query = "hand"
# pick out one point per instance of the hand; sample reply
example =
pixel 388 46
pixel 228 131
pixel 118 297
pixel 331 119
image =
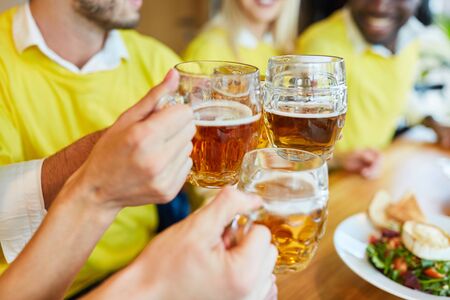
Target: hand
pixel 191 261
pixel 366 162
pixel 442 131
pixel 144 156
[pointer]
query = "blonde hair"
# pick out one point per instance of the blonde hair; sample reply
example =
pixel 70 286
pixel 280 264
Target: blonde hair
pixel 284 28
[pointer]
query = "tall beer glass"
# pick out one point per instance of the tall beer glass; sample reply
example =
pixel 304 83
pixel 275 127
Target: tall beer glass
pixel 305 102
pixel 294 187
pixel 225 97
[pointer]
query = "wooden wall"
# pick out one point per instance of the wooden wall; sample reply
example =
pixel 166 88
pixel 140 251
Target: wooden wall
pixel 174 22
pixel 4 4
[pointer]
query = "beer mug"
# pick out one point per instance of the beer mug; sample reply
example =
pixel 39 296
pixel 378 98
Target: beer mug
pixel 225 97
pixel 305 102
pixel 294 187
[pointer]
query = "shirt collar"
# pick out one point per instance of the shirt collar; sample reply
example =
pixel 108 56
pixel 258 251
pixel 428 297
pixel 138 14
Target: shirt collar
pixel 246 38
pixel 26 34
pixel 408 33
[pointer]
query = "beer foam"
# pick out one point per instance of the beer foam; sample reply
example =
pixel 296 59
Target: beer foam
pixel 223 113
pixel 301 207
pixel 290 109
pixel 288 193
pixel 304 116
pixel 232 95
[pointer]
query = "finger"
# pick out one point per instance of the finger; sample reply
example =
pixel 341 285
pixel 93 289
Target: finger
pixel 259 257
pixel 371 172
pixel 178 148
pixel 169 121
pixel 367 173
pixel 353 162
pixel 215 216
pixel 266 271
pixel 445 141
pixel 265 289
pixel 368 156
pixel 182 174
pixel 174 166
pixel 353 166
pixel 147 104
pixel 179 178
pixel 273 292
pixel 255 249
pixel 177 145
pixel 268 264
pixel 373 168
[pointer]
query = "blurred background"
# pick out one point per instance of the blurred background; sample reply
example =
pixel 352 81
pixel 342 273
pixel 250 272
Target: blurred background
pixel 176 22
pixel 176 27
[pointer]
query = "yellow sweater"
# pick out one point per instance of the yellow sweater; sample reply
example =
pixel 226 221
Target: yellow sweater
pixel 44 107
pixel 378 86
pixel 215 44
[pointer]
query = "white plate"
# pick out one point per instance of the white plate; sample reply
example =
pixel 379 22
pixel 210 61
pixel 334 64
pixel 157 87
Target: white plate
pixel 351 238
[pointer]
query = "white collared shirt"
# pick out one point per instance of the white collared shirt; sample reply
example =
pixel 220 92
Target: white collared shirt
pixel 409 32
pixel 21 201
pixel 27 34
pixel 247 39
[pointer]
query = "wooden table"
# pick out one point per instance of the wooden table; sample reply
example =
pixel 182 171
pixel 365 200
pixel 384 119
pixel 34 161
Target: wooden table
pixel 408 166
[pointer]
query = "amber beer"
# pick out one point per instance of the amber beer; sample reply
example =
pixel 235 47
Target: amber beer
pixel 297 223
pixel 314 129
pixel 226 130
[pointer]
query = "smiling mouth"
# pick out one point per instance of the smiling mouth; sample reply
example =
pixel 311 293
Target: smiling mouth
pixel 381 25
pixel 379 22
pixel 265 2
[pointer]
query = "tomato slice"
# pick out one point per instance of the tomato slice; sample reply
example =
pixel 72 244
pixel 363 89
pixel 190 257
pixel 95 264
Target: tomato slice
pixel 400 265
pixel 433 273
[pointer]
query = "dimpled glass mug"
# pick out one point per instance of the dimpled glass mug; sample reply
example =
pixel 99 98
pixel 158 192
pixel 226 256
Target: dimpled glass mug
pixel 294 187
pixel 225 97
pixel 305 102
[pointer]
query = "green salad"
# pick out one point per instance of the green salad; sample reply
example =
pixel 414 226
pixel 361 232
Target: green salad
pixel 388 254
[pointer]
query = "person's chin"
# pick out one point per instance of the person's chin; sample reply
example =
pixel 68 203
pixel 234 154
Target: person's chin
pixel 379 39
pixel 129 23
pixel 265 18
pixel 376 39
pixel 378 30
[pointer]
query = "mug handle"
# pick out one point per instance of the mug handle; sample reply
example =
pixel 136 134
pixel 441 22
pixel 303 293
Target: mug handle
pixel 239 227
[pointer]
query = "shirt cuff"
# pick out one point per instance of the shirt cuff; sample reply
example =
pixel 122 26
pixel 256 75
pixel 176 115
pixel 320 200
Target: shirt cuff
pixel 22 206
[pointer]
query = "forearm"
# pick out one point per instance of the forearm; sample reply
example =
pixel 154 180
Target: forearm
pixel 128 283
pixel 60 166
pixel 50 261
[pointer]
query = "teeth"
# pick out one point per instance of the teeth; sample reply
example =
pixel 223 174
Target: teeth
pixel 379 22
pixel 266 2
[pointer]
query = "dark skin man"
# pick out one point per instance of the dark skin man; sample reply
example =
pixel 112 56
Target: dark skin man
pixel 381 20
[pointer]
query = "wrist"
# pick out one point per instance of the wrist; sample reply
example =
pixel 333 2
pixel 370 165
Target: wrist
pixel 140 283
pixel 80 192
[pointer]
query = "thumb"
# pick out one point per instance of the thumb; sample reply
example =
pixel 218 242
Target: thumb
pixel 147 104
pixel 228 203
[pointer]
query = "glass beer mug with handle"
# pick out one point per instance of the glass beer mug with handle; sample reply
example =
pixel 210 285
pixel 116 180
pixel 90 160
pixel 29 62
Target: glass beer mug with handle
pixel 305 102
pixel 225 97
pixel 294 187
